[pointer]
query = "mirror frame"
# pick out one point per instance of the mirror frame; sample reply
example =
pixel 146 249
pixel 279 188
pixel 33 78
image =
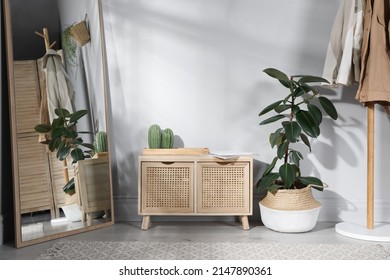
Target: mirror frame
pixel 14 149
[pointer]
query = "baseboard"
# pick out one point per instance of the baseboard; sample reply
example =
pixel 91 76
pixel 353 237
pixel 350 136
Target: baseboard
pixel 333 210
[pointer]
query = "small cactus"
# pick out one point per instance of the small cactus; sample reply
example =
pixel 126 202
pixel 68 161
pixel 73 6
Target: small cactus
pixel 154 136
pixel 100 142
pixel 167 138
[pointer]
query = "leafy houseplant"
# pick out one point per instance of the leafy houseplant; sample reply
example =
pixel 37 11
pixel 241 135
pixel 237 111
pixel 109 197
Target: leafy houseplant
pixel 300 117
pixel 65 139
pixel 297 124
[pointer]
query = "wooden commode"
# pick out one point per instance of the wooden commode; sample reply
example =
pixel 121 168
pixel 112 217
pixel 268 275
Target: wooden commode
pixel 195 185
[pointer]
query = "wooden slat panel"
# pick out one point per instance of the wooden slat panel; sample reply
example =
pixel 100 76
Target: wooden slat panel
pixel 34 175
pixel 27 94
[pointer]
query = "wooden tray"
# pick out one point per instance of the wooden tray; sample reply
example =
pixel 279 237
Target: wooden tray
pixel 176 151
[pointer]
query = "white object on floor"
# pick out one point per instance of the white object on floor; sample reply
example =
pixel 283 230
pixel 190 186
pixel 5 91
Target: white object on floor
pixel 62 220
pixel 32 228
pixel 380 232
pixel 289 221
pixel 72 212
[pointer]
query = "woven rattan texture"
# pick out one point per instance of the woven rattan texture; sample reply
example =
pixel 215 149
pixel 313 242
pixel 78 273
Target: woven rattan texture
pixel 292 199
pixel 168 187
pixel 80 33
pixel 223 187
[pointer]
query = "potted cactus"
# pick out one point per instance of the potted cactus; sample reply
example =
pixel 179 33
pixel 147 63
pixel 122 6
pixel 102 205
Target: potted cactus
pixel 160 139
pixel 100 144
pixel 289 205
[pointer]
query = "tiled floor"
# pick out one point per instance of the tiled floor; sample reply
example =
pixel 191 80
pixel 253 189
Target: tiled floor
pixel 324 232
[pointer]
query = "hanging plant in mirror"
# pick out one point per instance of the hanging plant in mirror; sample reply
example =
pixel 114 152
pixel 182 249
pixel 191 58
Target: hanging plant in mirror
pixel 69 47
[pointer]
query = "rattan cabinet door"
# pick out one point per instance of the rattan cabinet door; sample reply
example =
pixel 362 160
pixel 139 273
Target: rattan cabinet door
pixel 223 188
pixel 167 188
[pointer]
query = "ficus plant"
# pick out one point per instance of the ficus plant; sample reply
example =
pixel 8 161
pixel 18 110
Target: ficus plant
pixel 300 117
pixel 65 139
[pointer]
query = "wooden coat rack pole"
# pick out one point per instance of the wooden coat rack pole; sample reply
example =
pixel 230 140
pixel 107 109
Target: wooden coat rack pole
pixel 370 164
pixel 379 231
pixel 45 36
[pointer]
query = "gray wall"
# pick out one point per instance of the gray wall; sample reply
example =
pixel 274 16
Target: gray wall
pixel 196 66
pixel 31 16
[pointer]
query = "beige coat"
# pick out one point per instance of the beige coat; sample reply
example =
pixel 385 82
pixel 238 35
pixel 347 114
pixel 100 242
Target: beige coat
pixel 375 58
pixel 342 62
pixel 59 89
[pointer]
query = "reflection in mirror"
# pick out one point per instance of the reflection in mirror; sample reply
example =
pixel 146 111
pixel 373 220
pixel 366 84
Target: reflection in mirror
pixel 57 89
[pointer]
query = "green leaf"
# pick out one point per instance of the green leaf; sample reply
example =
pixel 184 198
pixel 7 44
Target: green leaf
pixel 274 187
pixel 77 115
pixel 296 109
pixel 70 133
pixel 276 138
pixel 306 140
pixel 282 108
pixel 88 145
pixel 317 183
pixel 308 88
pixel 328 107
pixel 282 148
pixel 299 91
pixel 272 119
pixel 266 181
pixel 42 128
pixel 57 132
pixel 270 167
pixel 287 174
pixel 270 107
pixel 54 143
pixel 69 187
pixel 315 113
pixel 63 152
pixel 297 171
pixel 292 130
pixel 277 74
pixel 287 98
pixel 312 79
pixel 307 123
pixel 62 112
pixel 77 154
pixel 58 123
pixel 296 157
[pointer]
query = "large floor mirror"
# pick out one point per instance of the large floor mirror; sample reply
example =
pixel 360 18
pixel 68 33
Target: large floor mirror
pixel 57 81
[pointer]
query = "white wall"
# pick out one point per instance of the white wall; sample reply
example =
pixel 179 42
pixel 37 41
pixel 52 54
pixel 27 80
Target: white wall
pixel 196 66
pixel 87 77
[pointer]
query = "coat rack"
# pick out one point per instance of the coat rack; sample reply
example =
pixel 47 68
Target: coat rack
pixel 371 232
pixel 48 45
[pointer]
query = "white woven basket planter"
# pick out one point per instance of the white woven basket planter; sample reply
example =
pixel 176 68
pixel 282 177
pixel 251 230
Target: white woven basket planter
pixel 290 211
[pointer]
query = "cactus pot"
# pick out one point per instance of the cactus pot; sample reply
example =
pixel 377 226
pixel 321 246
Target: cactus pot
pixel 290 211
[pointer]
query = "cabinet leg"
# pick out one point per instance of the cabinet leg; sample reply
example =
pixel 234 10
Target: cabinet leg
pixel 244 221
pixel 146 222
pixel 89 219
